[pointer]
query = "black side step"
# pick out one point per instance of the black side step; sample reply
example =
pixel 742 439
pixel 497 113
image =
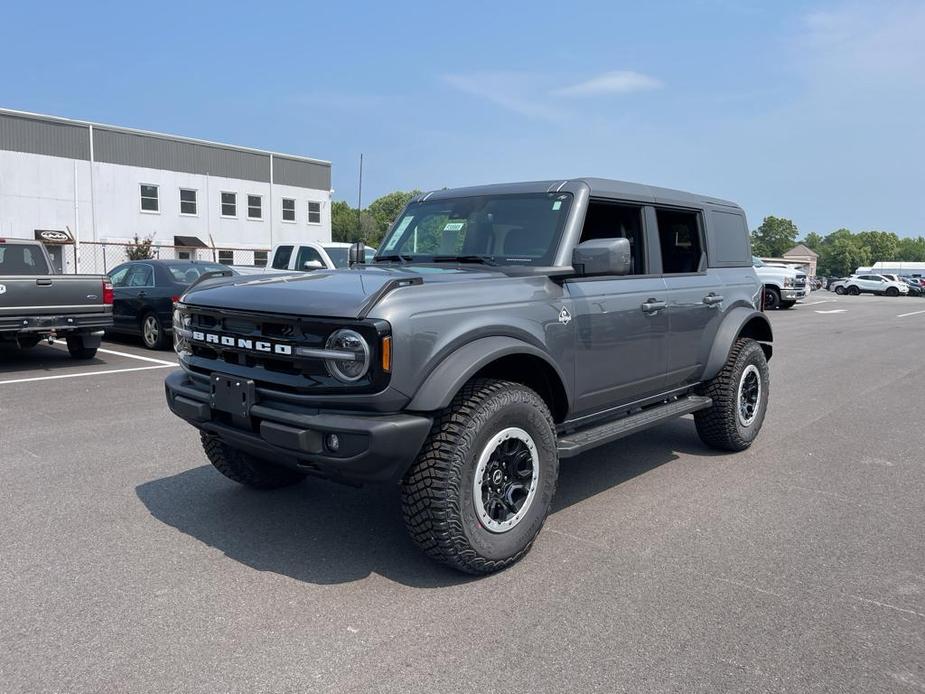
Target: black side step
pixel 585 439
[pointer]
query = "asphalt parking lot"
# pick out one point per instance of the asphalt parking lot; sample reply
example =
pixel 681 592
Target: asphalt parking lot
pixel 127 564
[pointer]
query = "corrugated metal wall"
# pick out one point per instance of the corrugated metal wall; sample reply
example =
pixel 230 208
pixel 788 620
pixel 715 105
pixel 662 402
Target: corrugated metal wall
pixel 305 174
pixel 133 149
pixel 37 136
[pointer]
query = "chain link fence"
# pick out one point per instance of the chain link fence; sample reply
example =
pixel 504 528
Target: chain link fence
pixel 96 258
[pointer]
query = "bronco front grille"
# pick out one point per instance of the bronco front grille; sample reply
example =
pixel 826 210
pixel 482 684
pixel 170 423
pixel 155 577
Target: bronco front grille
pixel 263 347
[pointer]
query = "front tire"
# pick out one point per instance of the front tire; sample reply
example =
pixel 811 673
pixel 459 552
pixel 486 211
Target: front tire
pixel 892 291
pixel 740 399
pixel 854 291
pixel 771 298
pixel 244 468
pixel 481 487
pixel 152 332
pixel 839 290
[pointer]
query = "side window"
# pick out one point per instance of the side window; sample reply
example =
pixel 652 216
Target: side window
pixel 606 220
pixel 727 240
pixel 140 276
pixel 281 259
pixel 306 254
pixel 119 275
pixel 679 239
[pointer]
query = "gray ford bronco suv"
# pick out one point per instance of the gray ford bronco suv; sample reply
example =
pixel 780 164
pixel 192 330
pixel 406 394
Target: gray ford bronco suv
pixel 497 330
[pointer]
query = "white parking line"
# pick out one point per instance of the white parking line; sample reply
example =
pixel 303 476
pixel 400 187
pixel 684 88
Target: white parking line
pixel 834 310
pixel 86 373
pixel 127 354
pixel 824 301
pixel 914 313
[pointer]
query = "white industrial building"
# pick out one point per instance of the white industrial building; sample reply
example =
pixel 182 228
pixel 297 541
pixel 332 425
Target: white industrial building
pixel 86 189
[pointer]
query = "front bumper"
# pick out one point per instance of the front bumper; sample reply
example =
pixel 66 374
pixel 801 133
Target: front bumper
pixel 794 294
pixel 372 448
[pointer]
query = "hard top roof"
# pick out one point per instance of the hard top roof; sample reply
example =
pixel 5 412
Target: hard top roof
pixel 600 187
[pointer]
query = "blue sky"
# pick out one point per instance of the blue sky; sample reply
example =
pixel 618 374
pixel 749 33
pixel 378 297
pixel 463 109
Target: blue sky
pixel 810 110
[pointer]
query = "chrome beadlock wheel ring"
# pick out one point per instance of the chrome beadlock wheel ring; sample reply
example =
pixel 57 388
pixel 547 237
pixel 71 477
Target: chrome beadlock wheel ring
pixel 506 478
pixel 749 395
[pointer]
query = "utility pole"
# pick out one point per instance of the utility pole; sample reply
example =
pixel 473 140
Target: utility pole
pixel 360 202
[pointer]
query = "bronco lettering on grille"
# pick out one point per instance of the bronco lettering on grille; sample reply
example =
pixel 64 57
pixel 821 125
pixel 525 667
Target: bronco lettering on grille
pixel 241 343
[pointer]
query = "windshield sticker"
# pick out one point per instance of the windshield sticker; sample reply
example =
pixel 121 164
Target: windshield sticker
pixel 396 237
pixel 454 226
pixel 557 204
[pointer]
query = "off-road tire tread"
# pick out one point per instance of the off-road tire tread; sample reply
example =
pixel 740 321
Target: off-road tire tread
pixel 433 481
pixel 76 349
pixel 716 424
pixel 243 469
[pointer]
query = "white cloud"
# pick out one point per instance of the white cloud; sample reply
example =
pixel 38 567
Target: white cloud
pixel 514 91
pixel 616 82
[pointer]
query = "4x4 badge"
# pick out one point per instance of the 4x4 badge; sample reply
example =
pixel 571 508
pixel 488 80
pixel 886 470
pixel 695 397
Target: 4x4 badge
pixel 564 316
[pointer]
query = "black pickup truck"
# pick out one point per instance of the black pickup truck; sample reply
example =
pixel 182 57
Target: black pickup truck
pixel 37 304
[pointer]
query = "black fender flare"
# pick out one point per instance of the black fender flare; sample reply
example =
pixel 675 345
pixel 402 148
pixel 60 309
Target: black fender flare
pixel 442 384
pixel 754 323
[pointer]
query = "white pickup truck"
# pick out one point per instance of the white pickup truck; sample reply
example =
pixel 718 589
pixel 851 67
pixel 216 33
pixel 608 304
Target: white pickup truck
pixel 783 286
pixel 312 255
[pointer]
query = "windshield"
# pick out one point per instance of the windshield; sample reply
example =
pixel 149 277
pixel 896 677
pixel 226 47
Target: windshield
pixel 338 255
pixel 518 229
pixel 757 262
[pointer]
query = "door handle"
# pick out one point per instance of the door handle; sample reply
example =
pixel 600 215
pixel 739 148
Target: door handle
pixel 43 283
pixel 712 299
pixel 653 305
pixel 142 293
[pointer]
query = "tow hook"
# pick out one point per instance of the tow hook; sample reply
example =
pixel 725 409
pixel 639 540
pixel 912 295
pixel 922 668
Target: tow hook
pixel 51 338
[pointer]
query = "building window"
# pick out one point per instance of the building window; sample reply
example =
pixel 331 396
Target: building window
pixel 254 207
pixel 187 201
pixel 260 258
pixel 288 210
pixel 226 257
pixel 148 198
pixel 229 204
pixel 184 255
pixel 314 213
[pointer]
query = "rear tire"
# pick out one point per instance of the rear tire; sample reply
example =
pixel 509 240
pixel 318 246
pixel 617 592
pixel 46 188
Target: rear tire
pixel 481 487
pixel 245 469
pixel 75 346
pixel 27 341
pixel 854 291
pixel 152 332
pixel 771 298
pixel 740 399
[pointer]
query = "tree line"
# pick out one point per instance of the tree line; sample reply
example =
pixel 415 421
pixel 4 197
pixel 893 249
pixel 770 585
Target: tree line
pixel 370 224
pixel 841 252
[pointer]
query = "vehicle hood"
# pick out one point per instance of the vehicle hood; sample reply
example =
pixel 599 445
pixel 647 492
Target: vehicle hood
pixel 767 271
pixel 343 293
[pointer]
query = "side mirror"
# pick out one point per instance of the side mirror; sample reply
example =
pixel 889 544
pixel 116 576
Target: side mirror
pixel 357 253
pixel 310 265
pixel 603 257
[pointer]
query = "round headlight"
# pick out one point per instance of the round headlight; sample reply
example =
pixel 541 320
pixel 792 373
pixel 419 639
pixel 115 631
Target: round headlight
pixel 346 340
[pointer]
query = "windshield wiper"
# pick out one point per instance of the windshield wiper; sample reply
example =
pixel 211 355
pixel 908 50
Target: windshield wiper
pixel 482 259
pixel 395 257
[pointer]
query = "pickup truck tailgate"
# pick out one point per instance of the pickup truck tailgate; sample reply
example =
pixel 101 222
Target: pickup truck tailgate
pixel 51 294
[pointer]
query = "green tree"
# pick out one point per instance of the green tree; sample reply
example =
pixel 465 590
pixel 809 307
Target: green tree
pixel 343 222
pixel 813 241
pixel 882 245
pixel 911 249
pixel 774 237
pixel 843 255
pixel 140 248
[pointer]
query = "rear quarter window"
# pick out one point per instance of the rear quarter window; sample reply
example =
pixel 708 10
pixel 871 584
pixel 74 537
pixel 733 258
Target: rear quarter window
pixel 728 242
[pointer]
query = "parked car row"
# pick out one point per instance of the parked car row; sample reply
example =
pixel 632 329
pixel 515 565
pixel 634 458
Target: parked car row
pixel 883 285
